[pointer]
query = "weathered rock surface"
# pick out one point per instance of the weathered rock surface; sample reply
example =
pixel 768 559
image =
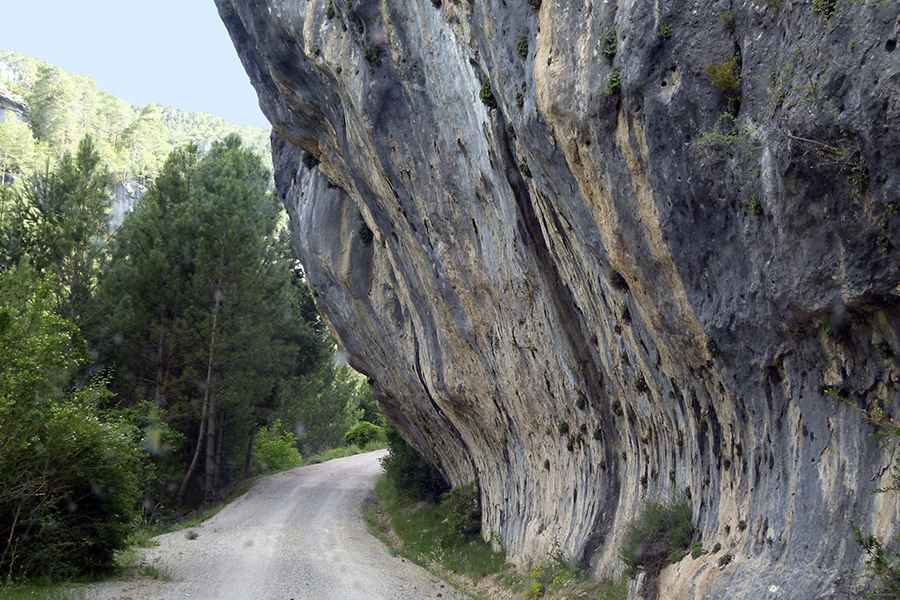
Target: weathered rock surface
pixel 584 274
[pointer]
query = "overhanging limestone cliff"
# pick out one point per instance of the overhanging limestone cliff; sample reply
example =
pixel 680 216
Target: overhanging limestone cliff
pixel 587 268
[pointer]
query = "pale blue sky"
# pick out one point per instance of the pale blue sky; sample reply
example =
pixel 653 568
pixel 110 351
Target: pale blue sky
pixel 173 52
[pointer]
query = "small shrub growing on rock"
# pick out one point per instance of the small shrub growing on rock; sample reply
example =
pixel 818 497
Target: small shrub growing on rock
pixel 824 8
pixel 373 56
pixel 610 45
pixel 697 550
pixel 661 534
pixel 724 75
pixel 613 82
pixel 487 95
pixel 522 47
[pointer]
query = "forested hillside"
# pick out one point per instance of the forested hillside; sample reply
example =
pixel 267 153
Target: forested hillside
pixel 61 108
pixel 147 370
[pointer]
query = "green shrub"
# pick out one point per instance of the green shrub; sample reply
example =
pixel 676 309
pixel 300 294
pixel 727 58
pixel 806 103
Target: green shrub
pixel 824 8
pixel 522 47
pixel 659 535
pixel 487 95
pixel 408 470
pixel 69 472
pixel 275 449
pixel 882 565
pixel 610 44
pixel 613 82
pixel 363 433
pixel 725 76
pixel 463 510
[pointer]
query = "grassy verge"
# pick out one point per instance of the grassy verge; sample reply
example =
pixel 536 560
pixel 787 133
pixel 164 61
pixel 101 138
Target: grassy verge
pixel 343 452
pixel 424 533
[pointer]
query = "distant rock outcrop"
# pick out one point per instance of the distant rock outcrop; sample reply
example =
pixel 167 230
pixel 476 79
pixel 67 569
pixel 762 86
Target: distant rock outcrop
pixel 594 254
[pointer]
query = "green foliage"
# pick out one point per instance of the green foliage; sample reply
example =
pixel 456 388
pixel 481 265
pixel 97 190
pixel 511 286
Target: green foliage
pixel 487 95
pixel 882 565
pixel 610 44
pixel 659 535
pixel 724 76
pixel 726 138
pixel 522 47
pixel 373 56
pixel 754 207
pixel 133 142
pixel 19 152
pixel 363 433
pixel 204 312
pixel 275 449
pixel 429 534
pixel 665 30
pixel 557 578
pixel 325 404
pixel 409 472
pixel 68 471
pixel 463 506
pixel 824 8
pixel 613 82
pixel 63 226
pixel 697 550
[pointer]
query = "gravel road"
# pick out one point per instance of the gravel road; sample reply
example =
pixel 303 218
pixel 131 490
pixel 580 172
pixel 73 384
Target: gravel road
pixel 297 535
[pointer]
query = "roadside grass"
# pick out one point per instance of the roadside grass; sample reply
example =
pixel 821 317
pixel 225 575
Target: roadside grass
pixel 426 536
pixel 344 451
pixel 423 533
pixel 39 590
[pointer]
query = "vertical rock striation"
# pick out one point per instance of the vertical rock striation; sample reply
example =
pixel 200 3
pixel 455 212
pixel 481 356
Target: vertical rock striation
pixel 597 253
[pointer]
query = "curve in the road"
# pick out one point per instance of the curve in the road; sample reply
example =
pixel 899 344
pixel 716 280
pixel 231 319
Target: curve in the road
pixel 297 535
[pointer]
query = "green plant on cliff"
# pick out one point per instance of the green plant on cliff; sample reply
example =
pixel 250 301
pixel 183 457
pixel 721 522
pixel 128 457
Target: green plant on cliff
pixel 724 75
pixel 824 8
pixel 522 47
pixel 487 95
pixel 613 82
pixel 659 535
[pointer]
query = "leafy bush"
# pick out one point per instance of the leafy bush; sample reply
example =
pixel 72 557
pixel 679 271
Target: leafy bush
pixel 69 473
pixel 275 449
pixel 363 433
pixel 487 95
pixel 659 535
pixel 408 470
pixel 725 76
pixel 882 565
pixel 463 510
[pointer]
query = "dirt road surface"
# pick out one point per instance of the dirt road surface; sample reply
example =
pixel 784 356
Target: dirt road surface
pixel 297 535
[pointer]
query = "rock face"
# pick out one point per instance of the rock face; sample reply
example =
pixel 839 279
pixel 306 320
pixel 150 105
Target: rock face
pixel 594 254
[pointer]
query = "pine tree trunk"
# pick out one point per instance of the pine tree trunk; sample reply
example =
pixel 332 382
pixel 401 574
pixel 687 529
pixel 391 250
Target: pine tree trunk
pixel 210 469
pixel 204 419
pixel 157 395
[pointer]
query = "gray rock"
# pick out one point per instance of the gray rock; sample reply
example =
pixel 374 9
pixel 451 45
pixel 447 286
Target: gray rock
pixel 609 272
